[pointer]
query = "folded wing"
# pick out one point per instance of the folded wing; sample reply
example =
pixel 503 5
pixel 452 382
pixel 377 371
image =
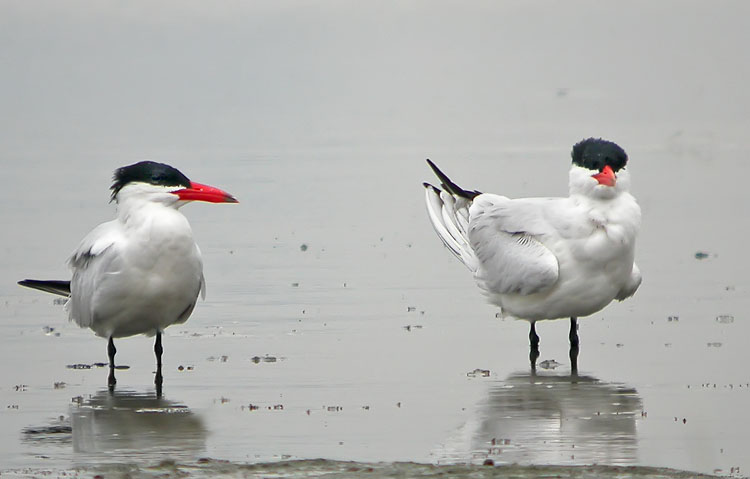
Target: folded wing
pixel 505 236
pixel 91 266
pixel 498 239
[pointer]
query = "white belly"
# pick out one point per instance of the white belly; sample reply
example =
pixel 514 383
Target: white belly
pixel 145 280
pixel 591 274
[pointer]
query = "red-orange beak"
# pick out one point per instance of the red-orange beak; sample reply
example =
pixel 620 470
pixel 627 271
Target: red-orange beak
pixel 606 177
pixel 199 192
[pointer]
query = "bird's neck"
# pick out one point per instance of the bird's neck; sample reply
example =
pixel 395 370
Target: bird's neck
pixel 134 212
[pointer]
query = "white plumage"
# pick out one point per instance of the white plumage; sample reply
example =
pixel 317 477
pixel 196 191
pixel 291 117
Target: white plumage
pixel 138 273
pixel 142 271
pixel 548 258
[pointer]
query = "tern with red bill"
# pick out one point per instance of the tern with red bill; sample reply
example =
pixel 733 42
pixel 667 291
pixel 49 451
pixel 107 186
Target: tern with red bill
pixel 548 258
pixel 142 271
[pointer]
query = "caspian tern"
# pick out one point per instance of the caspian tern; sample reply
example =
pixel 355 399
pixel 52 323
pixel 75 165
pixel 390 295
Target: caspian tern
pixel 142 271
pixel 548 258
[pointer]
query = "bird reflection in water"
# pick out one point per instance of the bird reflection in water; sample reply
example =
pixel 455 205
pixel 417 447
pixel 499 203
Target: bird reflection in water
pixel 132 423
pixel 551 419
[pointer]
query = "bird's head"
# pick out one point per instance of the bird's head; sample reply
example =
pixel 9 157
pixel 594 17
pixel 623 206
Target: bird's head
pixel 599 169
pixel 162 183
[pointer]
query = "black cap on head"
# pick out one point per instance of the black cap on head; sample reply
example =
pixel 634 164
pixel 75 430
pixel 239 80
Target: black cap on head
pixel 595 153
pixel 148 172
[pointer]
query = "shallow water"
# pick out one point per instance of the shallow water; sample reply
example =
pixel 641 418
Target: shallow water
pixel 336 325
pixel 371 345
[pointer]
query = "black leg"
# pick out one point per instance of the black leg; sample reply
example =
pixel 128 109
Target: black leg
pixel 111 351
pixel 158 350
pixel 573 336
pixel 534 347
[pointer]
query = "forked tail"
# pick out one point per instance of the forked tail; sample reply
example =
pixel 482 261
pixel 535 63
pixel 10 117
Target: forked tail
pixel 48 286
pixel 449 214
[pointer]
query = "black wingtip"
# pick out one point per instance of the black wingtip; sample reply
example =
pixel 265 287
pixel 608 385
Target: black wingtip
pixel 61 288
pixel 434 188
pixel 450 186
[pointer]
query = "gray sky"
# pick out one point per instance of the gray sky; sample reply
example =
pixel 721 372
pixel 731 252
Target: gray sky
pixel 148 76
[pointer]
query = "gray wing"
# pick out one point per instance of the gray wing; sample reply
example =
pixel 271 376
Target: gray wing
pixel 203 278
pixel 449 215
pixel 94 258
pixel 632 285
pixel 505 236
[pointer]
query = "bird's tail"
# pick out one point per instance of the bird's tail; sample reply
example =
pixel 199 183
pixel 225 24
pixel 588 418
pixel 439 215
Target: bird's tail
pixel 48 286
pixel 449 214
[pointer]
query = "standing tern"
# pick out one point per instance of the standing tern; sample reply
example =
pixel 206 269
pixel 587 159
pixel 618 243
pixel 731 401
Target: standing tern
pixel 142 271
pixel 548 258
